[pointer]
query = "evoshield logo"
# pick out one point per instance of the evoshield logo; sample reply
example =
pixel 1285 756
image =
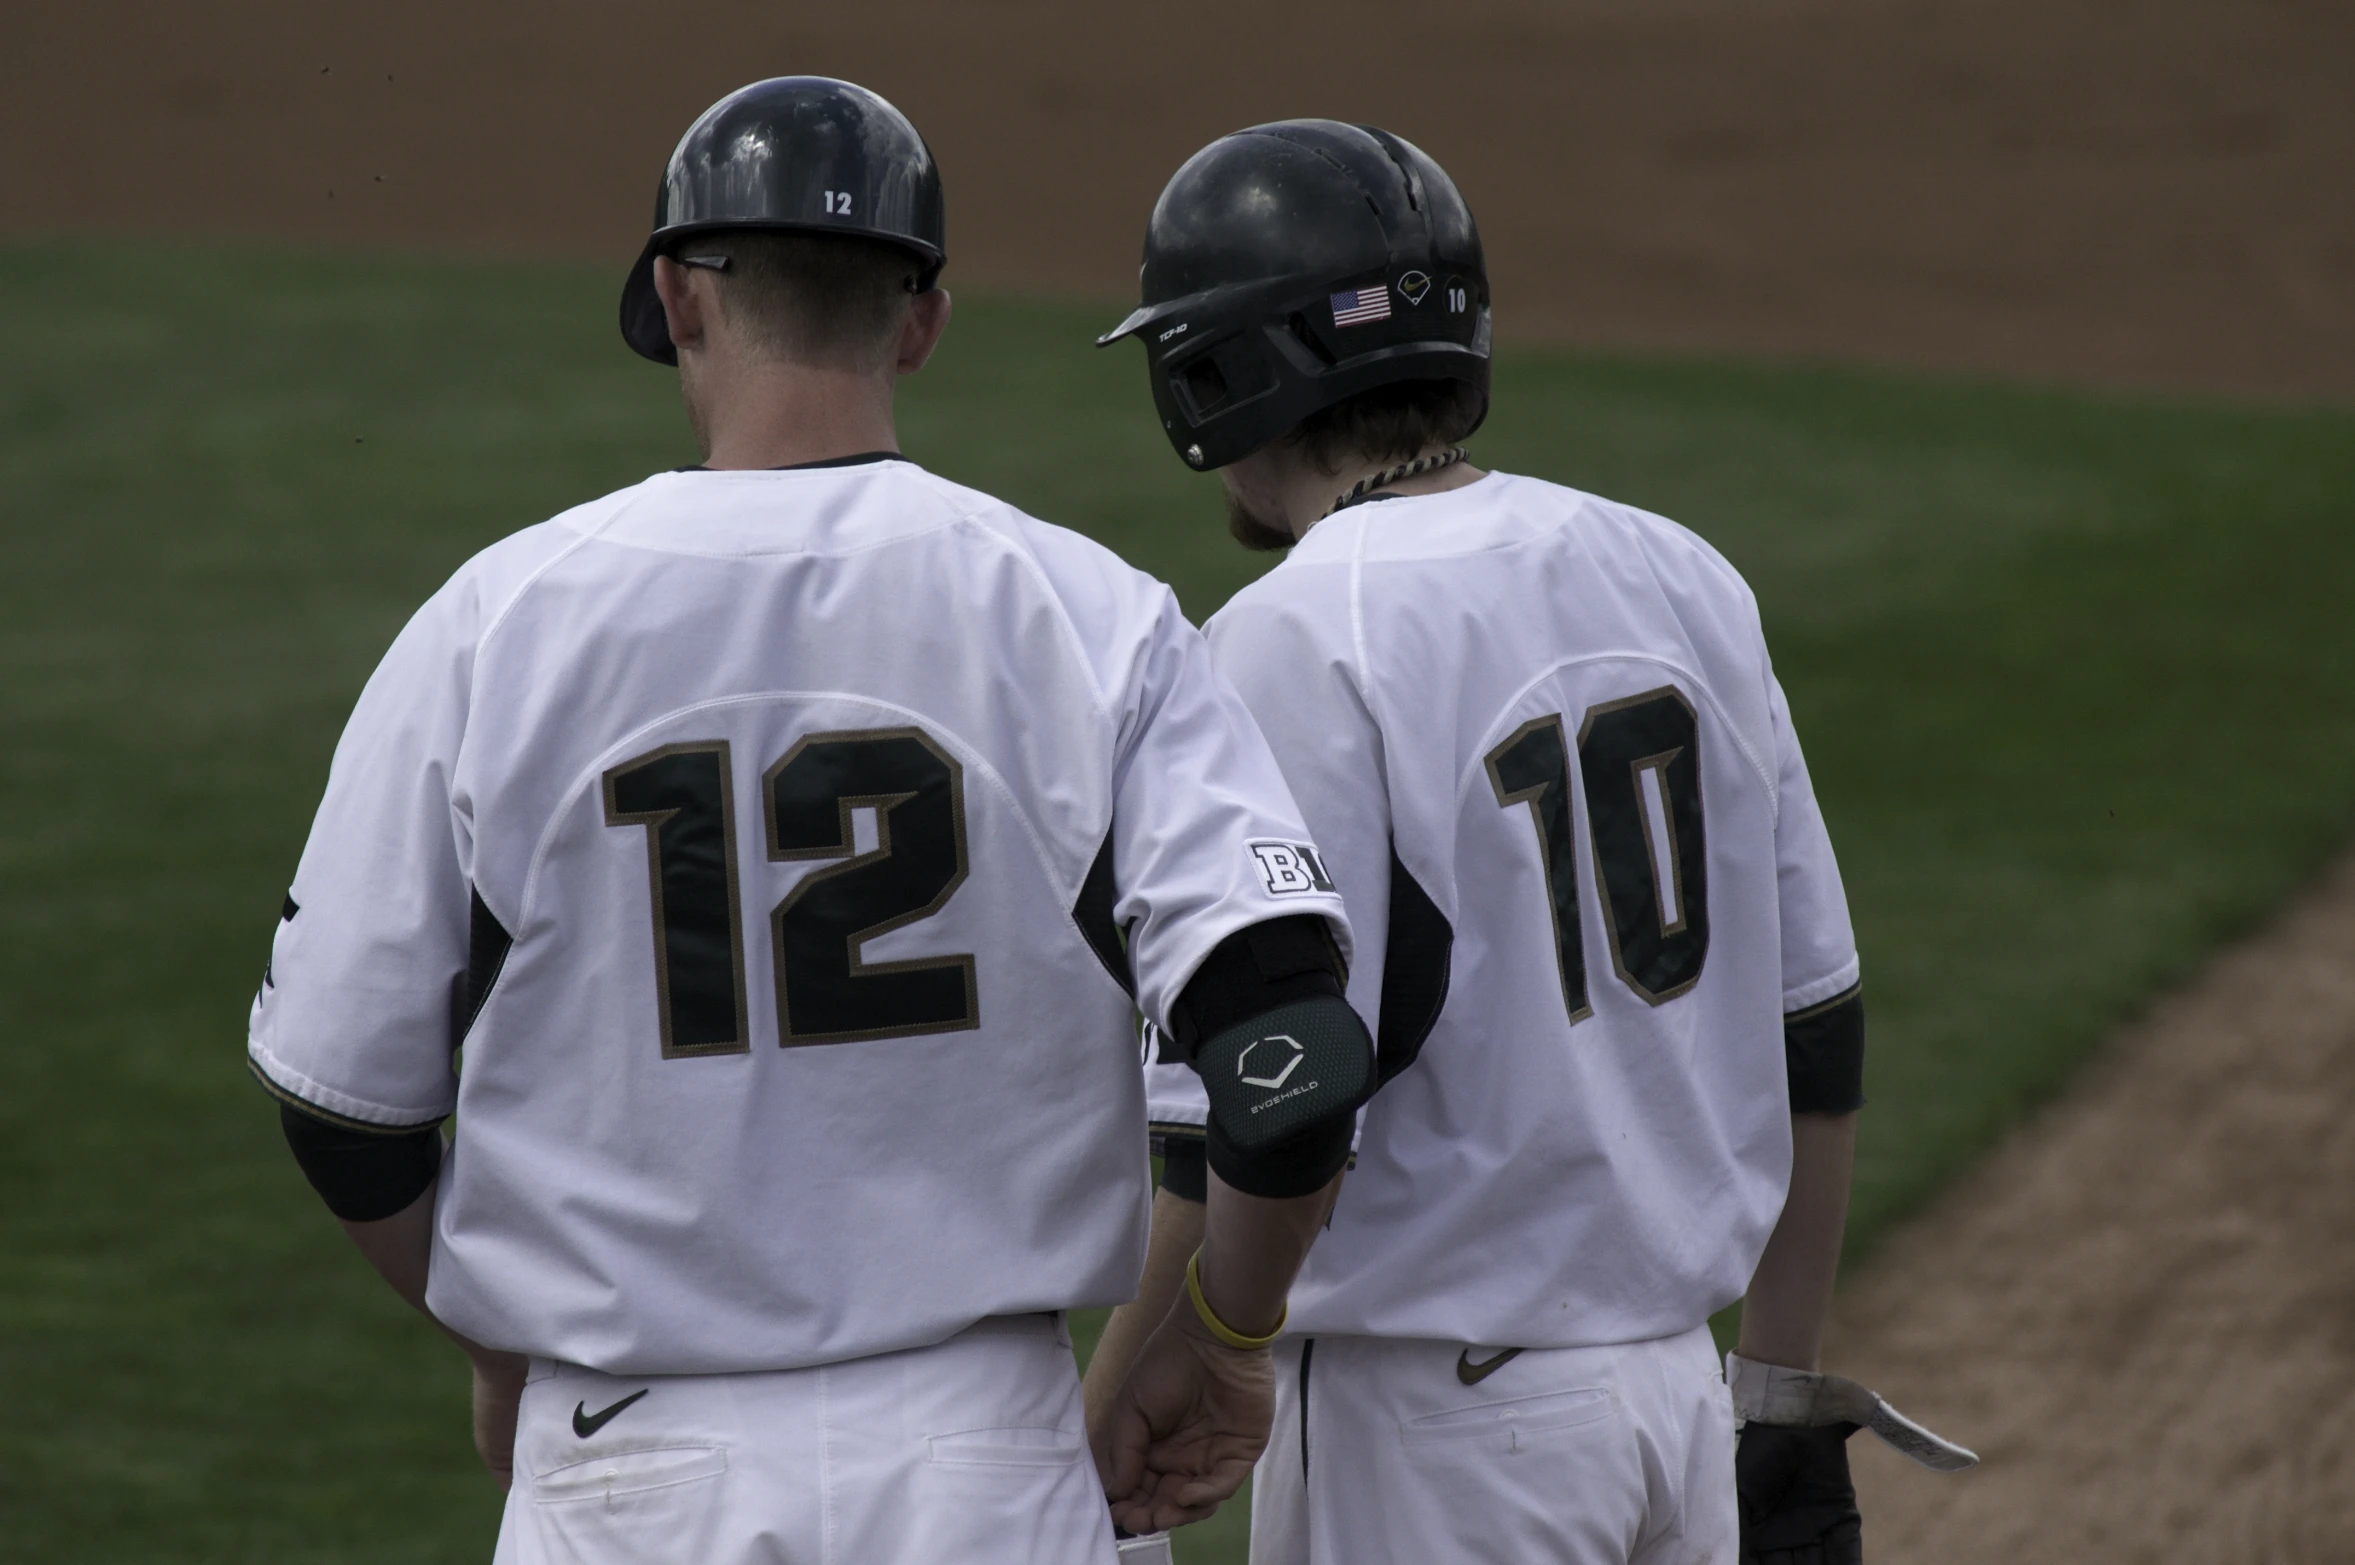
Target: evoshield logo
pixel 1290 868
pixel 1268 1063
pixel 1278 1056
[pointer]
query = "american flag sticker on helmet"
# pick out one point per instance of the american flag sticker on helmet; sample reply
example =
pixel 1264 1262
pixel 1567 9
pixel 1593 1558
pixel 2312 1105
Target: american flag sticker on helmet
pixel 1356 306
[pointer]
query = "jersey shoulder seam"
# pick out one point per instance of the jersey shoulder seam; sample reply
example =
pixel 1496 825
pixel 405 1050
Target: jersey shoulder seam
pixel 582 539
pixel 946 522
pixel 1074 644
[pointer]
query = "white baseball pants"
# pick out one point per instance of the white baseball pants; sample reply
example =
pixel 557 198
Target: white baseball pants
pixel 1619 1455
pixel 973 1452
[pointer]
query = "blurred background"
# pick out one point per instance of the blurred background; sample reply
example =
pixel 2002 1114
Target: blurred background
pixel 2128 192
pixel 2008 347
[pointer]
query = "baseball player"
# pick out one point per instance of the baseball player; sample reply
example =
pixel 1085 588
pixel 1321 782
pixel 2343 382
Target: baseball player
pixel 1544 758
pixel 761 861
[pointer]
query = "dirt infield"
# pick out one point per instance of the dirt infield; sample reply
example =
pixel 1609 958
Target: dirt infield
pixel 2141 1310
pixel 2143 192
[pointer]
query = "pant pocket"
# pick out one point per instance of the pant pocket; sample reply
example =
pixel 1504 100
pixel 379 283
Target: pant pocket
pixel 1509 1425
pixel 1009 1495
pixel 1011 1446
pixel 660 1504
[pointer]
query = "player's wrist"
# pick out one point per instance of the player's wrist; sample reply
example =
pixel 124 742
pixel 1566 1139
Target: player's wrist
pixel 1792 1356
pixel 1201 1316
pixel 1184 1324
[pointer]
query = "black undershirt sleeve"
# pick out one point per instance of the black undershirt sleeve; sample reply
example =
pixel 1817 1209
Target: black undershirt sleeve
pixel 1252 971
pixel 362 1175
pixel 1284 1060
pixel 1185 1168
pixel 1823 1055
pixel 366 1173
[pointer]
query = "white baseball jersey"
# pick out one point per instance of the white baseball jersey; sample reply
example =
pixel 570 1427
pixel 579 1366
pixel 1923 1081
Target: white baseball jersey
pixel 807 800
pixel 1550 722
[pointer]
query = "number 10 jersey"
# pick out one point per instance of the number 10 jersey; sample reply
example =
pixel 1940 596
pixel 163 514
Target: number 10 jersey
pixel 768 841
pixel 1545 759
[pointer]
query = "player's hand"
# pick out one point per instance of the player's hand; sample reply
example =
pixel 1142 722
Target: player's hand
pixel 1098 1395
pixel 498 1396
pixel 1185 1427
pixel 1797 1502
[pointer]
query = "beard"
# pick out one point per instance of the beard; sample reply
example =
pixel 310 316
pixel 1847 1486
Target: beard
pixel 1252 532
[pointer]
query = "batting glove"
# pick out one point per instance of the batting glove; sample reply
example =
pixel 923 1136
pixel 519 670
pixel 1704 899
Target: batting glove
pixel 1798 1504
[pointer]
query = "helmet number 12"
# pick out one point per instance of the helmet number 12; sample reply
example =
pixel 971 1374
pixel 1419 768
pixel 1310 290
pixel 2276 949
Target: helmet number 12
pixel 1639 760
pixel 837 203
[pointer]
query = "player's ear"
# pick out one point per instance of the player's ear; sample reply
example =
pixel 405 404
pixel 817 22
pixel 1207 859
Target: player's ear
pixel 919 334
pixel 683 308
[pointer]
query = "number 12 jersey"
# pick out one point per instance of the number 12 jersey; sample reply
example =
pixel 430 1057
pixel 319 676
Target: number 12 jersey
pixel 768 841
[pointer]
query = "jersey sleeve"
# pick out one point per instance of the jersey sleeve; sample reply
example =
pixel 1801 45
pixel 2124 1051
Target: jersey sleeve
pixel 353 1019
pixel 1307 702
pixel 1206 837
pixel 1175 1104
pixel 1819 944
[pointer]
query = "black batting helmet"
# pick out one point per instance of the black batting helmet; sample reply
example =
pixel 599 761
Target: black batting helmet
pixel 1291 266
pixel 804 154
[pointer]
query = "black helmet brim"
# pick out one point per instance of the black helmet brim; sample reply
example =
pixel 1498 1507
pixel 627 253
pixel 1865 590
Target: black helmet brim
pixel 1138 320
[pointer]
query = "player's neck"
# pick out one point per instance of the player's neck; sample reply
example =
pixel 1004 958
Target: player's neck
pixel 1438 480
pixel 751 416
pixel 1283 488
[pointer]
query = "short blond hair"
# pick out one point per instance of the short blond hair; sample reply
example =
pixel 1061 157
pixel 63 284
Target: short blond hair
pixel 826 300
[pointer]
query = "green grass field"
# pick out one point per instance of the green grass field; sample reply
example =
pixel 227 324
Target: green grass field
pixel 2074 675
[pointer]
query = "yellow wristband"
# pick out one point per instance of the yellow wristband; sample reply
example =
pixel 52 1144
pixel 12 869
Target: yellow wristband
pixel 1219 1328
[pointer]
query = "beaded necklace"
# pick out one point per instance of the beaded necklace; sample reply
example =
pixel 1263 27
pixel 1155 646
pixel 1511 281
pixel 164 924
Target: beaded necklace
pixel 1364 487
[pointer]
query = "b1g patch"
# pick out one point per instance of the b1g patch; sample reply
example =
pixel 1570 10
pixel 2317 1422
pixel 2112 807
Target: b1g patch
pixel 1290 868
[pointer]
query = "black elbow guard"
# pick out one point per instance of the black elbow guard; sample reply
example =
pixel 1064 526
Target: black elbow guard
pixel 1823 1055
pixel 1299 1165
pixel 362 1175
pixel 1284 1061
